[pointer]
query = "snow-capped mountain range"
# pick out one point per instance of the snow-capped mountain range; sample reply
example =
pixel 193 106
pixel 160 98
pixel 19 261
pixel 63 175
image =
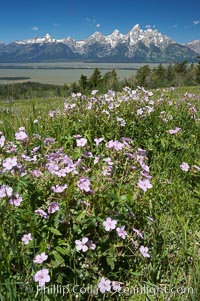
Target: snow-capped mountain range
pixel 132 37
pixel 136 34
pixel 195 45
pixel 137 45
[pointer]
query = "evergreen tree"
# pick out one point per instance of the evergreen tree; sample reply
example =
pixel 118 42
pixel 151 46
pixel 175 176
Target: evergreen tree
pixel 110 81
pixel 170 75
pixel 198 71
pixel 83 83
pixel 190 76
pixel 143 76
pixel 159 77
pixel 180 71
pixel 74 88
pixel 180 68
pixel 95 79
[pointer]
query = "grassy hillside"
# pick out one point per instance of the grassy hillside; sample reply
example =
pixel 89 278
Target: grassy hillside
pixel 99 196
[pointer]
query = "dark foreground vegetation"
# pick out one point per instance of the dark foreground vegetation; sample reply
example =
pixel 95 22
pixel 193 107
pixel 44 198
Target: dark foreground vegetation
pixel 177 75
pixel 99 196
pixel 99 190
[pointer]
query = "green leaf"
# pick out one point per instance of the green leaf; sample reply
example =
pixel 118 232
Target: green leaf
pixel 62 250
pixel 55 231
pixel 111 262
pixel 58 258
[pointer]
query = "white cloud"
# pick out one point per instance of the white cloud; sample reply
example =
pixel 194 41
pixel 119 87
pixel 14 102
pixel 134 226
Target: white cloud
pixel 196 22
pixel 93 22
pixel 150 26
pixel 173 26
pixel 35 28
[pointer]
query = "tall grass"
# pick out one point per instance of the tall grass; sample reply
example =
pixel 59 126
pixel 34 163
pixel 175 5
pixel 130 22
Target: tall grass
pixel 166 214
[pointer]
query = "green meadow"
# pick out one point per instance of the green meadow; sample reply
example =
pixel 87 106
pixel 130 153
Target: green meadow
pixel 99 196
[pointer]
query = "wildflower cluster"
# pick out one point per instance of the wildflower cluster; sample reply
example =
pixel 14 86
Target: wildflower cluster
pixel 87 199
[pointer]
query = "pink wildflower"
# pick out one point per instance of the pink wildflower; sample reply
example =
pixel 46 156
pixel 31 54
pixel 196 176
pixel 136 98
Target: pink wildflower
pixel 16 200
pixel 53 207
pixel 121 232
pixel 58 189
pixel 5 191
pixel 49 140
pixel 92 245
pixel 41 212
pixel 2 141
pixel 144 184
pixel 109 224
pixel 40 258
pixel 51 114
pixel 26 238
pixel 84 184
pixel 175 131
pixel 81 244
pixel 21 135
pixel 94 92
pixel 42 277
pixel 77 136
pixel 81 142
pixel 138 233
pixel 104 285
pixel 9 163
pixel 115 144
pixel 144 251
pixel 98 141
pixel 36 173
pixel 185 166
pixel 116 286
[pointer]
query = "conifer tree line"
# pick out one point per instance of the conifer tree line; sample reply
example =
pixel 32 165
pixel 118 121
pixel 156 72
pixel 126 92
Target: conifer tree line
pixel 176 75
pixel 172 75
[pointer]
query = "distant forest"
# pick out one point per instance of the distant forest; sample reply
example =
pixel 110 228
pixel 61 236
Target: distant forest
pixel 179 74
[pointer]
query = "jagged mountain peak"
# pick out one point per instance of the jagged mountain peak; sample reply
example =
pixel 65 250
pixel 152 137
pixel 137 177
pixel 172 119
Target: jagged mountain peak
pixel 46 39
pixel 96 34
pixel 193 42
pixel 135 35
pixel 96 37
pixel 148 37
pixel 47 36
pixel 115 38
pixel 194 45
pixel 69 38
pixel 115 32
pixel 137 45
pixel 136 27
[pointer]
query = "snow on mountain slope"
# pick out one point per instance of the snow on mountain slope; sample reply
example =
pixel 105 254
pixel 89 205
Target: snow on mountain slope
pixel 194 45
pixel 47 39
pixel 137 45
pixel 135 35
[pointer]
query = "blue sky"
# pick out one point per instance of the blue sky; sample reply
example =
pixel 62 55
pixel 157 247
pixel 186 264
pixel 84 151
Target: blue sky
pixel 78 18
